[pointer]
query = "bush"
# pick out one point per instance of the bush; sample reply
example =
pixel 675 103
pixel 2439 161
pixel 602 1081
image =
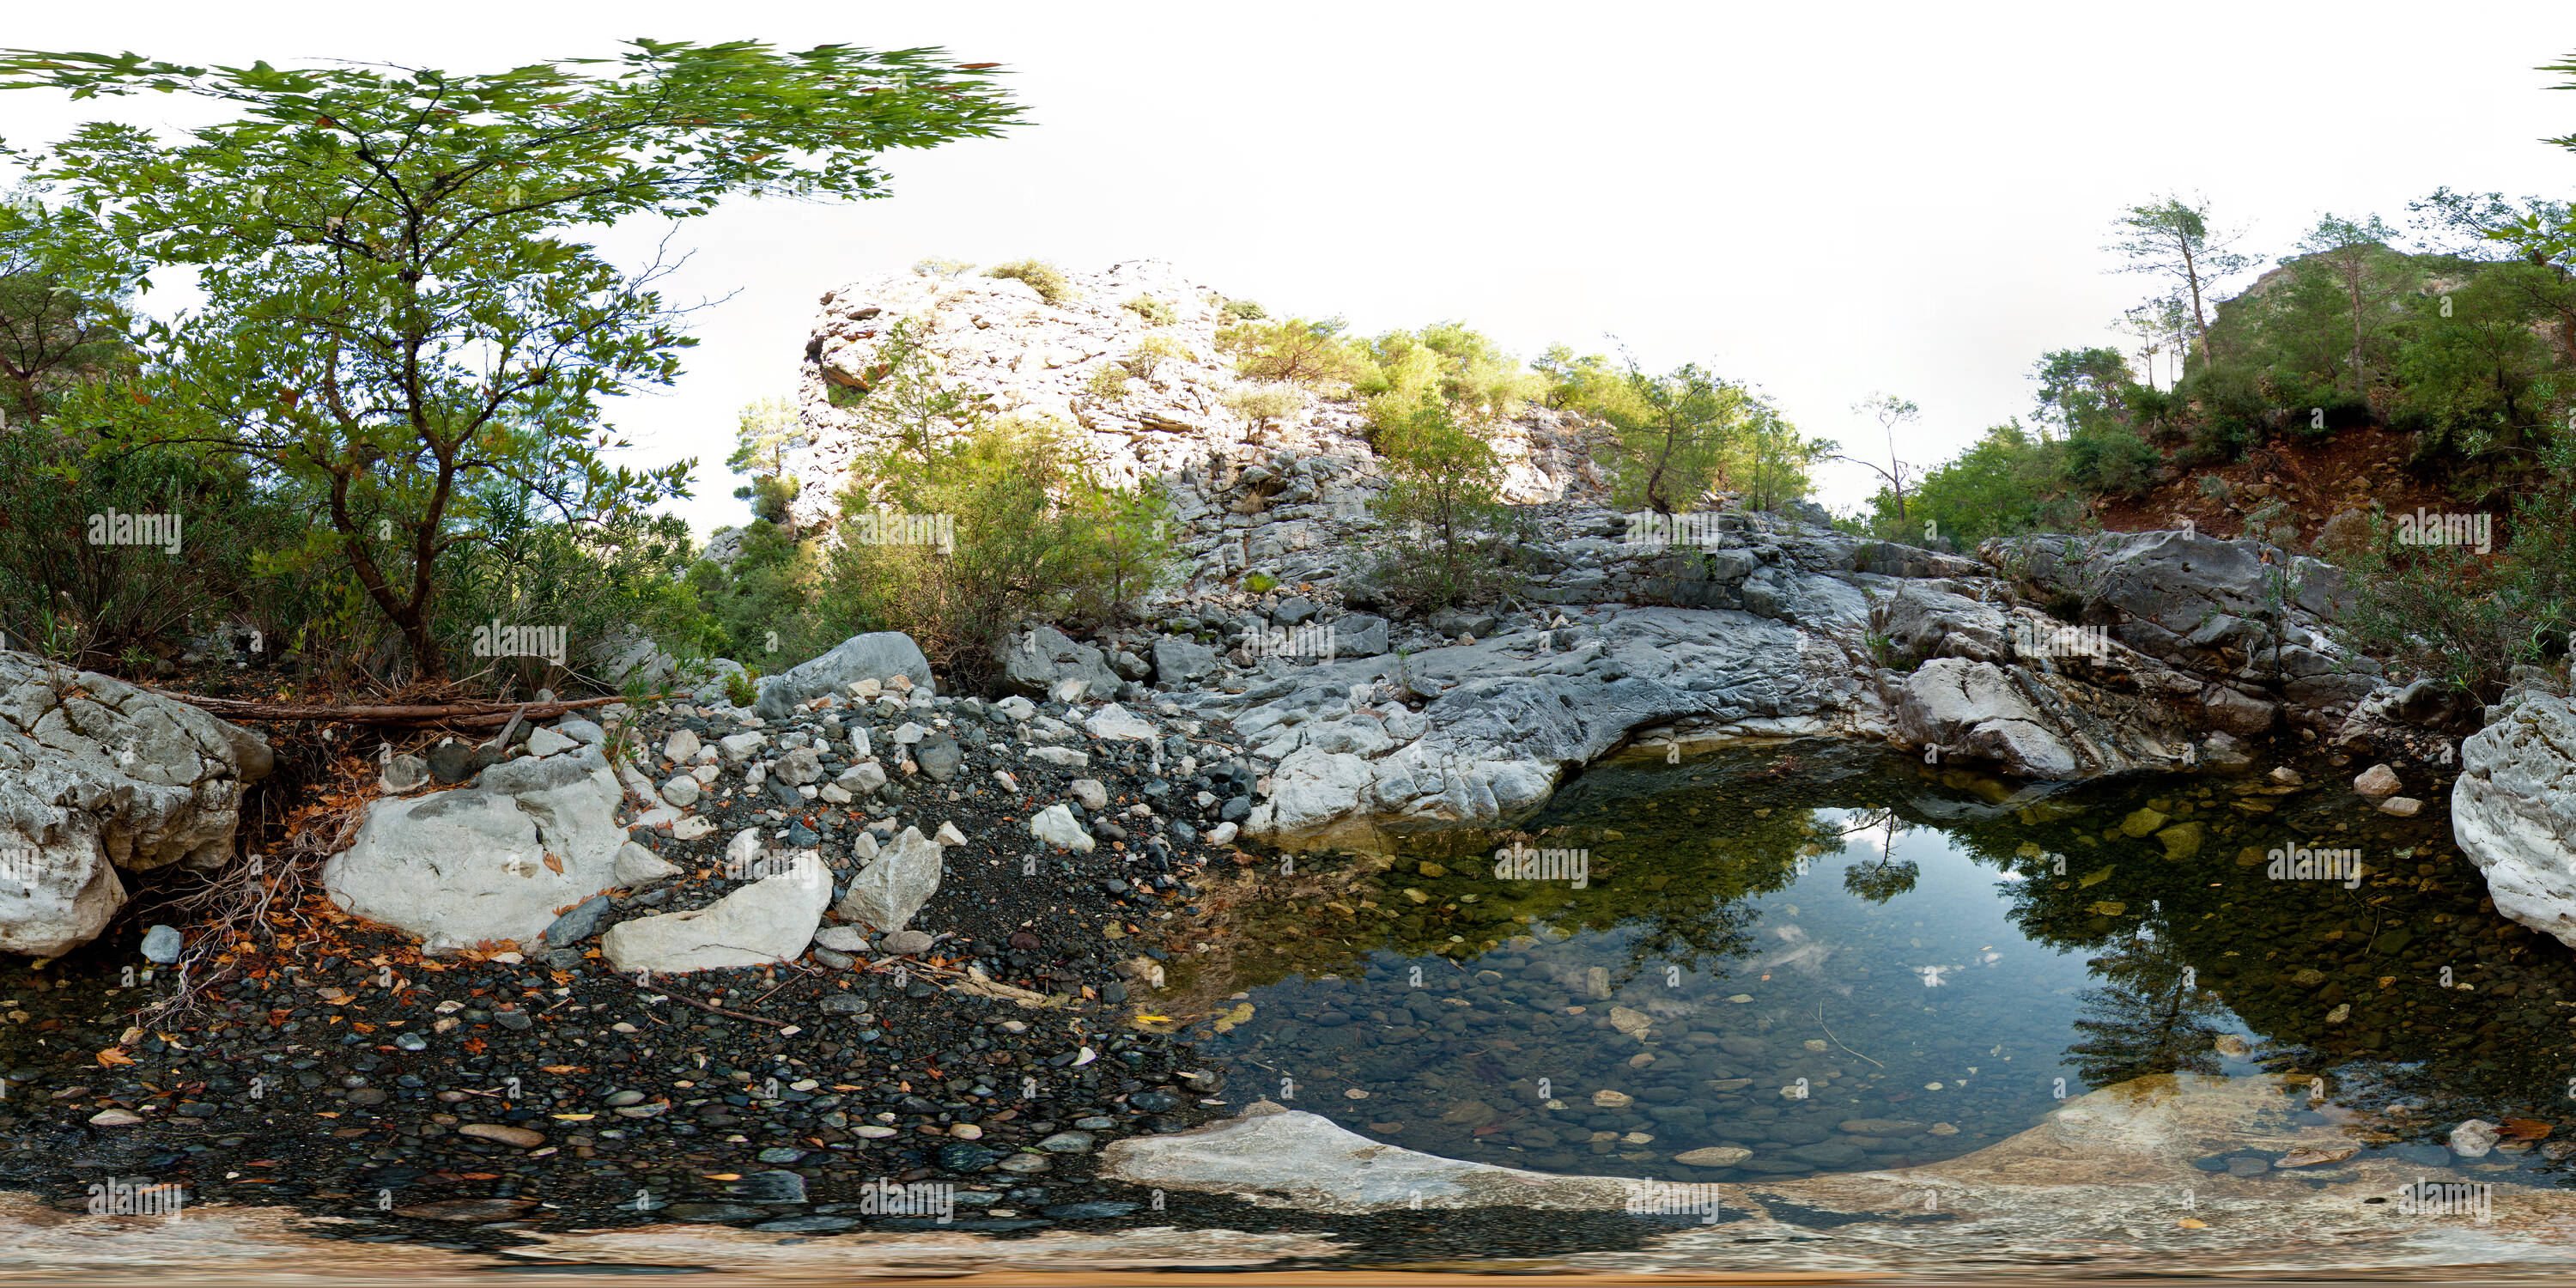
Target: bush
pixel 1109 383
pixel 1244 311
pixel 1262 404
pixel 1151 353
pixel 2110 462
pixel 1152 310
pixel 765 589
pixel 1450 538
pixel 1291 350
pixel 2008 484
pixel 1464 368
pixel 936 267
pixel 1046 279
pixel 2465 618
pixel 1034 536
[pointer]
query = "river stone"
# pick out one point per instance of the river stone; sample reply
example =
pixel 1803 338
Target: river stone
pixel 939 757
pixel 2182 840
pixel 1036 662
pixel 1713 1156
pixel 1179 661
pixel 766 921
pixel 1115 721
pixel 681 747
pixel 580 923
pixel 1880 1127
pixel 2376 781
pixel 516 1137
pixel 161 945
pixel 1054 825
pixel 637 867
pixel 887 893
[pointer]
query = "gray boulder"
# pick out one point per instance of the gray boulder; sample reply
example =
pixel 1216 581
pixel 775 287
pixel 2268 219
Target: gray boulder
pixel 1178 661
pixel 457 868
pixel 96 775
pixel 887 893
pixel 879 656
pixel 1034 662
pixel 1359 635
pixel 2033 725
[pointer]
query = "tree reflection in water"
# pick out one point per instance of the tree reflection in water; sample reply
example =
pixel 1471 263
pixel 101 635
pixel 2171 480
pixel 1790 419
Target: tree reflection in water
pixel 2151 1017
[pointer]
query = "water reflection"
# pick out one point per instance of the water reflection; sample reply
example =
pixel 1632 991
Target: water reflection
pixel 1829 959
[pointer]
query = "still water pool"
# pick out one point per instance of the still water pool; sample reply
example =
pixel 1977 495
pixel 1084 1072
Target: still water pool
pixel 1791 960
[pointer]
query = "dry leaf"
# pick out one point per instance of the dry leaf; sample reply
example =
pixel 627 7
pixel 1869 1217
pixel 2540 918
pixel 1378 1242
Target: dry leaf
pixel 2525 1129
pixel 114 1056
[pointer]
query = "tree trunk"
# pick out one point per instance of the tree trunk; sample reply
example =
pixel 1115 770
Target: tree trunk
pixel 2191 274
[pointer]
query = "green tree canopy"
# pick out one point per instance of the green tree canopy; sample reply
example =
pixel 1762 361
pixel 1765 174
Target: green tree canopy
pixel 393 310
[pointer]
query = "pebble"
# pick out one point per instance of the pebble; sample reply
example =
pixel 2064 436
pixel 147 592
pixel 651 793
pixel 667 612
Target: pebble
pixel 161 945
pixel 1067 1142
pixel 519 1137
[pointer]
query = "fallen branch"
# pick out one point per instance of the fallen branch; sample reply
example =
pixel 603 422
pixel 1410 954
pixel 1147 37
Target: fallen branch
pixel 709 1006
pixel 463 713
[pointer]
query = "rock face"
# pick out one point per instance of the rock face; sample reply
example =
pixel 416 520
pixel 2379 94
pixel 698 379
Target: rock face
pixel 769 920
pixel 97 775
pixel 2015 718
pixel 887 892
pixel 880 656
pixel 2514 810
pixel 457 868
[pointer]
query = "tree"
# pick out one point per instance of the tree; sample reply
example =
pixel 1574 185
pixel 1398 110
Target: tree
pixel 2350 252
pixel 2158 324
pixel 2174 239
pixel 1442 506
pixel 2081 389
pixel 58 324
pixel 393 311
pixel 2536 230
pixel 1774 460
pixel 766 432
pixel 1675 432
pixel 1890 411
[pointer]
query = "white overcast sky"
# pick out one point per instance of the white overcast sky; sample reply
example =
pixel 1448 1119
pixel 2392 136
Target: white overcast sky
pixel 1825 200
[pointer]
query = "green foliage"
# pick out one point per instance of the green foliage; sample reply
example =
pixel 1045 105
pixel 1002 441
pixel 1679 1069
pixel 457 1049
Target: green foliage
pixel 1462 367
pixel 62 322
pixel 1569 381
pixel 768 584
pixel 1675 433
pixel 1046 279
pixel 1108 383
pixel 1149 355
pixel 938 267
pixel 1262 404
pixel 1296 351
pixel 1449 536
pixel 2465 618
pixel 1261 583
pixel 741 687
pixel 394 319
pixel 1035 537
pixel 2008 484
pixel 1773 461
pixel 2082 389
pixel 1155 311
pixel 2112 462
pixel 1244 311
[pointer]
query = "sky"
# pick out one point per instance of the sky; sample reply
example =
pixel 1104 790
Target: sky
pixel 1825 201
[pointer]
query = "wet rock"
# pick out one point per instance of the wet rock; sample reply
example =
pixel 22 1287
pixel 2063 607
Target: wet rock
pixel 1713 1156
pixel 515 1137
pixel 2142 823
pixel 2401 806
pixel 2474 1138
pixel 2376 781
pixel 2182 840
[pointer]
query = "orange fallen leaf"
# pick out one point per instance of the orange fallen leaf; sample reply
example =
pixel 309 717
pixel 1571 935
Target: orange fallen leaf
pixel 721 1176
pixel 2189 1223
pixel 114 1056
pixel 2525 1128
pixel 554 865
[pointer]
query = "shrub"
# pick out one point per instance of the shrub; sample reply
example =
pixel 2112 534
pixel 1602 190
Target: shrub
pixel 936 267
pixel 1449 538
pixel 1152 310
pixel 2465 618
pixel 1292 350
pixel 741 688
pixel 1466 369
pixel 1151 353
pixel 1109 383
pixel 1262 404
pixel 1261 583
pixel 1046 279
pixel 1244 311
pixel 2111 462
pixel 1035 536
pixel 2009 483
